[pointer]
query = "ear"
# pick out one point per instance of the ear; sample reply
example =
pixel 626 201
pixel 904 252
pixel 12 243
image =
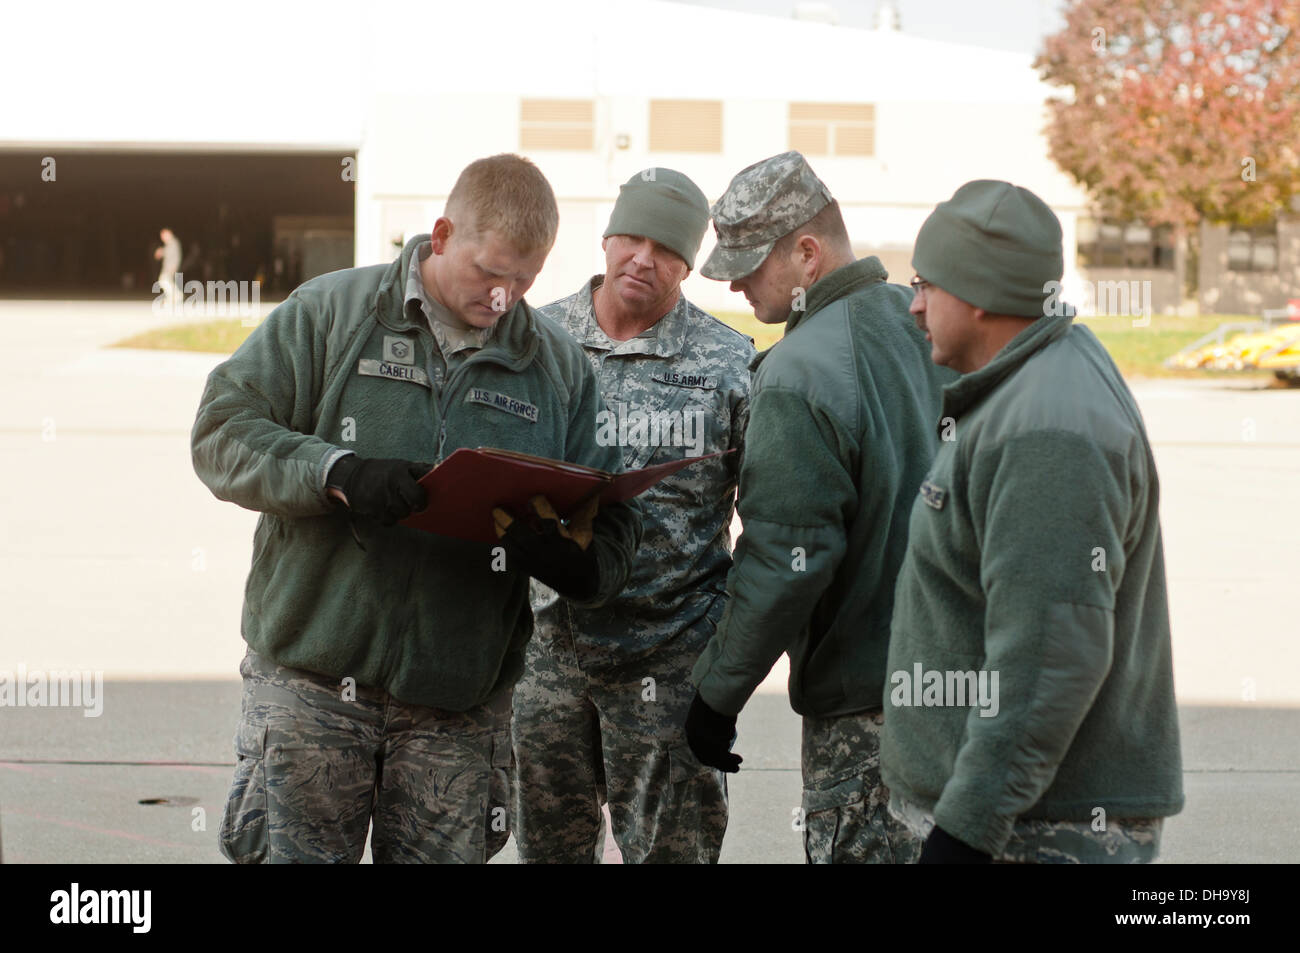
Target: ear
pixel 808 253
pixel 440 235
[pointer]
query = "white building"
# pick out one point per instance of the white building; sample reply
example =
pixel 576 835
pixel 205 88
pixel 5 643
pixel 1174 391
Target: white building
pixel 892 123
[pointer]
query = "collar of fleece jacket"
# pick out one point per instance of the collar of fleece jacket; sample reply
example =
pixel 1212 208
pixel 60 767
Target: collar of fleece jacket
pixel 963 394
pixel 839 283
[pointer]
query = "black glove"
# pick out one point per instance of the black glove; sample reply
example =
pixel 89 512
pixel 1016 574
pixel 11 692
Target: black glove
pixel 942 848
pixel 385 490
pixel 710 736
pixel 552 552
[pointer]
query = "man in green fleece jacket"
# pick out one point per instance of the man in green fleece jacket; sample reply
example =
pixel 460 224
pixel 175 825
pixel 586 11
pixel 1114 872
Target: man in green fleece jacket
pixel 378 676
pixel 1030 712
pixel 840 435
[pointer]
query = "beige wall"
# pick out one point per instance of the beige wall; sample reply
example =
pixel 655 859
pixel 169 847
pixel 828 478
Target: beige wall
pixel 406 168
pixel 1223 291
pixel 1165 296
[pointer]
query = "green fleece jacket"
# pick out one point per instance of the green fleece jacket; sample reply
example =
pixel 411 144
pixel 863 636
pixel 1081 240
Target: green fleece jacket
pixel 343 365
pixel 1035 554
pixel 841 431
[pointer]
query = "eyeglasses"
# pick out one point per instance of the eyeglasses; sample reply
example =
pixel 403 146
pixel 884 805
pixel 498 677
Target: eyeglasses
pixel 919 285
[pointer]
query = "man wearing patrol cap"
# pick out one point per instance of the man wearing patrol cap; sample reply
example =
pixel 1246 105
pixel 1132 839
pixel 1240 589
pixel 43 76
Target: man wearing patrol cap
pixel 841 430
pixel 599 710
pixel 1034 553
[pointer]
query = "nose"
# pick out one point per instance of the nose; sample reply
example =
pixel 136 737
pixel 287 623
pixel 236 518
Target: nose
pixel 505 294
pixel 917 306
pixel 643 257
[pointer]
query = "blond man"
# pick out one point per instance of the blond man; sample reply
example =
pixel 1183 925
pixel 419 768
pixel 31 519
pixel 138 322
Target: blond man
pixel 378 676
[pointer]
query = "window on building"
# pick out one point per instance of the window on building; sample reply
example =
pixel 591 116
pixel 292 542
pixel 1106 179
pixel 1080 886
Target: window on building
pixel 833 129
pixel 568 124
pixel 1107 244
pixel 1253 249
pixel 685 125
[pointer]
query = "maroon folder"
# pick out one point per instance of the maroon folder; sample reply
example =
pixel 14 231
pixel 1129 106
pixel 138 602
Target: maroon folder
pixel 465 488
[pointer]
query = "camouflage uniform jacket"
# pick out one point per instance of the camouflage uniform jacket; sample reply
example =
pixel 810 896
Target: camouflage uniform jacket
pixel 679 389
pixel 342 365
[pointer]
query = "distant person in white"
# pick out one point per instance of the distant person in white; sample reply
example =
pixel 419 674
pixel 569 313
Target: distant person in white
pixel 170 253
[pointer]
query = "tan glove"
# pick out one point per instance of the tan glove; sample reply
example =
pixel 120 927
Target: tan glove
pixel 577 528
pixel 551 551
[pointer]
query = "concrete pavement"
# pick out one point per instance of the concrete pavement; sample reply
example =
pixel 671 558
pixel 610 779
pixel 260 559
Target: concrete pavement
pixel 114 558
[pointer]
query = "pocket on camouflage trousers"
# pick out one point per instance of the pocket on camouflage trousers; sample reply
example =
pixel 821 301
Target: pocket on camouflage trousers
pixel 243 836
pixel 832 816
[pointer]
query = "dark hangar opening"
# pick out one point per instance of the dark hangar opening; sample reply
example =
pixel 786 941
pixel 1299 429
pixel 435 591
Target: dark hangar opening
pixel 92 230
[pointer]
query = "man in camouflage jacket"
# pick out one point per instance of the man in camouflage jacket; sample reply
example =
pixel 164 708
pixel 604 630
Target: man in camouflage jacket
pixel 598 712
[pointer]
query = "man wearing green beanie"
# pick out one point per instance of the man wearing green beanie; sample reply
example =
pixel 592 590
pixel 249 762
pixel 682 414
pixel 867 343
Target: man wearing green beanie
pixel 1030 716
pixel 598 712
pixel 840 435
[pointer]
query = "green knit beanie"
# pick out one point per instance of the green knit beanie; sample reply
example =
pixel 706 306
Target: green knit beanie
pixel 663 205
pixel 993 245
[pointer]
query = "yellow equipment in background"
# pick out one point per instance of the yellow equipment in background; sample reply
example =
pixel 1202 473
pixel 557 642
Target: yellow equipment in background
pixel 1260 345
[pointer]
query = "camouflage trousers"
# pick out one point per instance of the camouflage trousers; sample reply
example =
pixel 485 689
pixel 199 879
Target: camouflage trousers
pixel 319 762
pixel 1035 840
pixel 612 735
pixel 845 804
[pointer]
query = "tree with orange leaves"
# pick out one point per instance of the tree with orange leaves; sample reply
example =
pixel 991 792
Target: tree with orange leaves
pixel 1179 111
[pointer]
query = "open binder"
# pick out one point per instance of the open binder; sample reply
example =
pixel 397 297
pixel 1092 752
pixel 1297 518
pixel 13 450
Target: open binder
pixel 465 488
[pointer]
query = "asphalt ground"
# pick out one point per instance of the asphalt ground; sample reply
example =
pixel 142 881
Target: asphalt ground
pixel 116 559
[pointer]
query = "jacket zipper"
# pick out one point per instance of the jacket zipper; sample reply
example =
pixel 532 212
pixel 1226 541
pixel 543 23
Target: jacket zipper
pixel 447 401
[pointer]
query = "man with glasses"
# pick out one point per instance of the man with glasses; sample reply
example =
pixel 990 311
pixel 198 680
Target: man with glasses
pixel 1034 564
pixel 841 430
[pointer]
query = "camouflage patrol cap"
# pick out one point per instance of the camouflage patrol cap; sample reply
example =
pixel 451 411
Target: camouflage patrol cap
pixel 763 204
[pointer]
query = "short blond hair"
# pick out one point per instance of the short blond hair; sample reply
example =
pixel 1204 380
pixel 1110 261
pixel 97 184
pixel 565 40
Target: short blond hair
pixel 509 195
